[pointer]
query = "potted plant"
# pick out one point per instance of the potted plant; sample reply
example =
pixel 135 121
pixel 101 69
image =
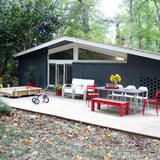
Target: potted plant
pixel 115 79
pixel 6 80
pixel 30 76
pixel 58 89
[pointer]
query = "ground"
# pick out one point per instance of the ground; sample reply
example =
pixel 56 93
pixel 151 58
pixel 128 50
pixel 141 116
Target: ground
pixel 31 136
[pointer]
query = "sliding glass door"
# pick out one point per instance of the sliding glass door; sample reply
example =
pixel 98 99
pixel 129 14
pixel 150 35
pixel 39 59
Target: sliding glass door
pixel 60 73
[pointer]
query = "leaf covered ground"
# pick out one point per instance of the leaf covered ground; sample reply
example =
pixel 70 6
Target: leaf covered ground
pixel 30 136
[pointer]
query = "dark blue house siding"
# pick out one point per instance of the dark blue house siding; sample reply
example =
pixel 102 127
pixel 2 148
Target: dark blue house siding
pixel 137 71
pixel 37 59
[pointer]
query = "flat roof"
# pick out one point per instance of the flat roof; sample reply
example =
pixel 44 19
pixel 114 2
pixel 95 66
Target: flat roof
pixel 105 47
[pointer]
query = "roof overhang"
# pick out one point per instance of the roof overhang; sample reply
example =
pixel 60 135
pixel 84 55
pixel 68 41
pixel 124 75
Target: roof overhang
pixel 100 46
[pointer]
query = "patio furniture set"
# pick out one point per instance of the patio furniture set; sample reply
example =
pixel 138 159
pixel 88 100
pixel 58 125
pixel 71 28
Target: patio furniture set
pixel 130 95
pixel 128 98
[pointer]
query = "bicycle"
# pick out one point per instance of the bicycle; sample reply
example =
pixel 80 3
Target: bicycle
pixel 43 95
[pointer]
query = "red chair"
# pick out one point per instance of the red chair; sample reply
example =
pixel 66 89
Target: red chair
pixel 146 101
pixel 91 92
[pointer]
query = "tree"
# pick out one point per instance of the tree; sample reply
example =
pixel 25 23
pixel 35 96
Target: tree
pixel 141 24
pixel 24 24
pixel 80 18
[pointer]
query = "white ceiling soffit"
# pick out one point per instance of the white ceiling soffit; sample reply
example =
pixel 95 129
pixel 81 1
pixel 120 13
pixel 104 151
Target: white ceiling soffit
pixel 115 49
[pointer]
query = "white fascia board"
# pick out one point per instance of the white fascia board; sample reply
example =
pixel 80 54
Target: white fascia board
pixel 116 48
pixel 40 46
pixel 144 54
pixel 112 48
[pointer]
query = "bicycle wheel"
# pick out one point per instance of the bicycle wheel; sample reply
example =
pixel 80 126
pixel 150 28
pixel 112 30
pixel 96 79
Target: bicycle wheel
pixel 35 100
pixel 46 99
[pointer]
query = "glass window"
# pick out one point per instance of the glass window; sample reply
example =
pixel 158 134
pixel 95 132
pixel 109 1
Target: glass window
pixel 68 73
pixel 52 73
pixel 67 54
pixel 90 55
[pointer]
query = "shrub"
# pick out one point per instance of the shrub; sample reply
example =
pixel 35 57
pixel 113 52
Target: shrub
pixel 5 109
pixel 6 79
pixel 31 74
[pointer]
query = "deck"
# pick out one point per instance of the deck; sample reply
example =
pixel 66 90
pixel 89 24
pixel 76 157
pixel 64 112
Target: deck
pixel 76 109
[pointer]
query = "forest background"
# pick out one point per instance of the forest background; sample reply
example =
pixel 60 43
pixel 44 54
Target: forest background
pixel 28 23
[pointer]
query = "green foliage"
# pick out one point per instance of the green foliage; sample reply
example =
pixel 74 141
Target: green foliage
pixel 140 24
pixel 28 23
pixel 82 19
pixel 25 24
pixel 31 74
pixel 5 109
pixel 57 87
pixel 6 79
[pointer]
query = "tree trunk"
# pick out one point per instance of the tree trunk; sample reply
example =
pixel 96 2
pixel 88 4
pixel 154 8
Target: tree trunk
pixel 157 5
pixel 131 21
pixel 85 17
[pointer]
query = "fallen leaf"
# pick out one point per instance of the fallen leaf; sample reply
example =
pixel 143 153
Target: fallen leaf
pixel 27 141
pixel 2 150
pixel 107 135
pixel 78 157
pixel 47 129
pixel 15 124
pixel 88 129
pixel 47 142
pixel 107 156
pixel 34 153
pixel 5 118
pixel 61 133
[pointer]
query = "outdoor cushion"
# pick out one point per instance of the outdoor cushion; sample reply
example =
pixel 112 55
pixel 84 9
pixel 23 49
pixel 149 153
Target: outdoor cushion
pixel 69 88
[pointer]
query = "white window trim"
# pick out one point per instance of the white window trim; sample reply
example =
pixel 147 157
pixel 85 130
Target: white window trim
pixel 101 61
pixel 99 50
pixel 75 47
pixel 60 61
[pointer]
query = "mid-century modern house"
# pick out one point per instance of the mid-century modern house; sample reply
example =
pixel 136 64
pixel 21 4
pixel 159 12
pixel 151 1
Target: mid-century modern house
pixel 60 60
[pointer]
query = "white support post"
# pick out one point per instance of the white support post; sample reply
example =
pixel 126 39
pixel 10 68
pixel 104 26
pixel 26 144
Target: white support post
pixel 75 52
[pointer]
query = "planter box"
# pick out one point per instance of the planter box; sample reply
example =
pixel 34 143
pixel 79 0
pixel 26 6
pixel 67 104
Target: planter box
pixel 58 92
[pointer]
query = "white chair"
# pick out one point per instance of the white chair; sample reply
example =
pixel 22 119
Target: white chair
pixel 130 96
pixel 117 95
pixel 78 87
pixel 144 96
pixel 129 87
pixel 69 88
pixel 82 90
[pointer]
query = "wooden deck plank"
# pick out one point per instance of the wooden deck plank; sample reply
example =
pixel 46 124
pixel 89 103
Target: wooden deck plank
pixel 75 109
